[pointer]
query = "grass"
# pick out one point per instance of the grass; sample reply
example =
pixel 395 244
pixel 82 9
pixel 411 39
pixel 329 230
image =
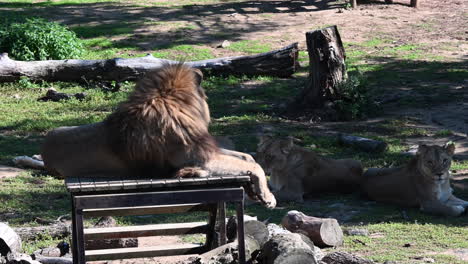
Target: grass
pixel 241 106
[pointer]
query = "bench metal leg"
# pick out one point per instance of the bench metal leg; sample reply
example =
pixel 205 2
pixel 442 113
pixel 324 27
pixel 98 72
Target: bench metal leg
pixel 222 223
pixel 240 231
pixel 78 236
pixel 74 243
pixel 211 233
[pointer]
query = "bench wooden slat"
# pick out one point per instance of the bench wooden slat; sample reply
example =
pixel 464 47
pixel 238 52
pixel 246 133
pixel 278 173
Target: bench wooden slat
pixel 101 201
pixel 144 252
pixel 146 210
pixel 146 230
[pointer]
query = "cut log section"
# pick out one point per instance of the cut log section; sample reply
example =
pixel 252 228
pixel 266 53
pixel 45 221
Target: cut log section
pixel 281 63
pixel 10 241
pixel 324 232
pixel 344 258
pixel 255 235
pixel 287 249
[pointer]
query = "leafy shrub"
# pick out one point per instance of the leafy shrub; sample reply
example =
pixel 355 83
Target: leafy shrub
pixel 355 100
pixel 37 39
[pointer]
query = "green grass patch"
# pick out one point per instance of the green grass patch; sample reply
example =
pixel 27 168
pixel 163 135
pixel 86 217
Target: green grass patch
pixel 250 46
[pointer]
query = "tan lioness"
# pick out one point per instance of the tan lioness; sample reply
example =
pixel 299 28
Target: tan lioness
pixel 423 182
pixel 296 171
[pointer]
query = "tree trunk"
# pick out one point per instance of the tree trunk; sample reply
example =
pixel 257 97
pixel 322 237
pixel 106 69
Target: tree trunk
pixel 282 63
pixel 344 258
pixel 59 230
pixel 326 69
pixel 324 232
pixel 287 249
pixel 353 3
pixel 415 3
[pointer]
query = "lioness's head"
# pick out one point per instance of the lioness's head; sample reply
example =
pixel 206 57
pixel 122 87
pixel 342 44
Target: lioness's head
pixel 272 153
pixel 434 161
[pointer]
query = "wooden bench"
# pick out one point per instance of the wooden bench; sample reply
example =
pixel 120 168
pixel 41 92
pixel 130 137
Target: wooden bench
pixel 93 197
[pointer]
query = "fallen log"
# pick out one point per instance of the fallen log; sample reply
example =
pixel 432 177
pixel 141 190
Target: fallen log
pixel 364 144
pixel 58 230
pixel 287 249
pixel 324 232
pixel 108 221
pixel 281 63
pixel 344 258
pixel 53 260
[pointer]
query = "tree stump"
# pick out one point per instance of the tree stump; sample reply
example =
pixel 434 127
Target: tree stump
pixel 327 67
pixel 324 232
pixel 287 249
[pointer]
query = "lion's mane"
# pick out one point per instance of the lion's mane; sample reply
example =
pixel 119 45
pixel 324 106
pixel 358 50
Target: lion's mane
pixel 164 121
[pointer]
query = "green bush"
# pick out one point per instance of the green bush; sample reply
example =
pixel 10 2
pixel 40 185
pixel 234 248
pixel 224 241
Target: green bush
pixel 37 39
pixel 354 100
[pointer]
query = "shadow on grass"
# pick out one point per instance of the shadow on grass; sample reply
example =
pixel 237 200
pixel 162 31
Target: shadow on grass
pixel 104 19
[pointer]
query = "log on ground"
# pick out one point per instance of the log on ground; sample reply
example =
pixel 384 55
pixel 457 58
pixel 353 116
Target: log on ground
pixel 364 144
pixel 255 232
pixel 324 232
pixel 281 63
pixel 287 249
pixel 344 258
pixel 58 230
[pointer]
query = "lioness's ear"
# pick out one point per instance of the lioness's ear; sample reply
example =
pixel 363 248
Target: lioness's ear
pixel 450 148
pixel 421 149
pixel 198 75
pixel 264 138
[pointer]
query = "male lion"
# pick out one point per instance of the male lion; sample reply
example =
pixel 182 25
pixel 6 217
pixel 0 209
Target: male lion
pixel 295 171
pixel 161 128
pixel 423 182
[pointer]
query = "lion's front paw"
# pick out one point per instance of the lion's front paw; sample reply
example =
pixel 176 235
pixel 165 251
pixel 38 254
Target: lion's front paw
pixel 458 210
pixel 191 172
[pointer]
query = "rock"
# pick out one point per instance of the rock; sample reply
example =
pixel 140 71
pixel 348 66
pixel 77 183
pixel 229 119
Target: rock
pixel 49 252
pixel 428 260
pixel 224 45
